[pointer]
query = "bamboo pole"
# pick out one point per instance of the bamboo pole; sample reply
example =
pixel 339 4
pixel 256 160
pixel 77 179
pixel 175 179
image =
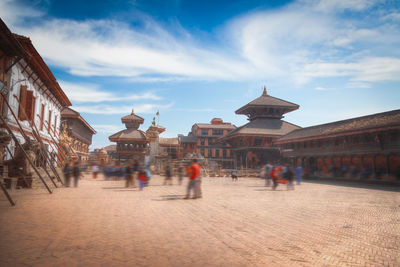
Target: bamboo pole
pixel 42 147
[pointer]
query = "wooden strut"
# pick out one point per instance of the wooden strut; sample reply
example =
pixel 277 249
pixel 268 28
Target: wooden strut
pixel 55 142
pixel 45 153
pixel 6 193
pixel 25 137
pixel 25 154
pixel 37 135
pixel 61 158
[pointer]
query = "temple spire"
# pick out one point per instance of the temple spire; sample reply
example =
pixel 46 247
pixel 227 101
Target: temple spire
pixel 265 91
pixel 133 113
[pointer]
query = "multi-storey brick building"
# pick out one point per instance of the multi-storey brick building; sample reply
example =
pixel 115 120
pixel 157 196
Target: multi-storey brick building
pixel 203 139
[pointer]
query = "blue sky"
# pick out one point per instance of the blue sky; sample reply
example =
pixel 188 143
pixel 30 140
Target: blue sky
pixel 196 60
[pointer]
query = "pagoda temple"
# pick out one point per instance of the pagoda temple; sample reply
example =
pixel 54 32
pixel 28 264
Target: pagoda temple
pixel 131 142
pixel 252 144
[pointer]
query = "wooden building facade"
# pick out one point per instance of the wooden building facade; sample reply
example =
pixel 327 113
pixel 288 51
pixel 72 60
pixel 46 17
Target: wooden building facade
pixel 364 147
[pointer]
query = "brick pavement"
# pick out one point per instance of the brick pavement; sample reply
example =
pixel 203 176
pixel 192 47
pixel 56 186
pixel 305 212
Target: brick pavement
pixel 236 224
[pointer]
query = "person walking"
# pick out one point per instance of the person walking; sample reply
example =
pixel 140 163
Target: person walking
pixel 128 175
pixel 274 174
pixel 168 174
pixel 142 177
pixel 95 170
pixel 76 171
pixel 290 178
pixel 299 174
pixel 67 170
pixel 268 168
pixel 180 172
pixel 194 174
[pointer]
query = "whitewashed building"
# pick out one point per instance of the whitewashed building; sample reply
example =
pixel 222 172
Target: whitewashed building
pixel 25 76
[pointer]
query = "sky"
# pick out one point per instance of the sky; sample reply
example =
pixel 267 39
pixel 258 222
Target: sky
pixel 197 60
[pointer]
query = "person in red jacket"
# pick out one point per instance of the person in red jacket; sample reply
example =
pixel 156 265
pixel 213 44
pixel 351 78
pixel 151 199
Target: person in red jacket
pixel 275 174
pixel 193 178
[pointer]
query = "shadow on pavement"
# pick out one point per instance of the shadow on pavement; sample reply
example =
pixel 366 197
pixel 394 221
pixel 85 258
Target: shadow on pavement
pixel 169 197
pixel 356 184
pixel 114 187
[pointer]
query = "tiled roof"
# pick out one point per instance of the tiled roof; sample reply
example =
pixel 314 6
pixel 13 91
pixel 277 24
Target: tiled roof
pixel 273 127
pixel 128 135
pixel 168 141
pixel 385 119
pixel 70 113
pixel 267 100
pixel 110 148
pixel 41 69
pixel 215 126
pixel 132 117
pixel 187 139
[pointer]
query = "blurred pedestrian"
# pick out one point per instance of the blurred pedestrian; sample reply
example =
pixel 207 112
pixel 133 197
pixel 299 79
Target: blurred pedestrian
pixel 299 174
pixel 67 170
pixel 180 172
pixel 95 170
pixel 267 169
pixel 274 174
pixel 76 171
pixel 290 177
pixel 194 174
pixel 142 176
pixel 129 175
pixel 168 174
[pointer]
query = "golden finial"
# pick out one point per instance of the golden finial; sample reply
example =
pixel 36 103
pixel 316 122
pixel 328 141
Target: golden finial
pixel 265 91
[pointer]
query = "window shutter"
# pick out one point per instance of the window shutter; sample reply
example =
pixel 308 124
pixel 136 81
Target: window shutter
pixel 55 125
pixel 49 122
pixel 22 101
pixel 29 105
pixel 42 118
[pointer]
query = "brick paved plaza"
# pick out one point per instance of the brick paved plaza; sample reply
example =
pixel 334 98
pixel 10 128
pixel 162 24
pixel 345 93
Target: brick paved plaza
pixel 235 224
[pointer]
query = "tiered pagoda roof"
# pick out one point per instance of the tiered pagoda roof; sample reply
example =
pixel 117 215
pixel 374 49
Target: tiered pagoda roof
pixel 264 113
pixel 131 133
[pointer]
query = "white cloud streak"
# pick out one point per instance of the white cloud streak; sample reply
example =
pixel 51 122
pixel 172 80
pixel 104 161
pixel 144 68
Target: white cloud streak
pixel 121 109
pixel 306 40
pixel 90 93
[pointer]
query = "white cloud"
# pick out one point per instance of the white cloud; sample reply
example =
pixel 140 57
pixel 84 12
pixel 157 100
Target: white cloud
pixel 124 109
pixel 302 41
pixel 321 89
pixel 107 128
pixel 12 13
pixel 91 93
